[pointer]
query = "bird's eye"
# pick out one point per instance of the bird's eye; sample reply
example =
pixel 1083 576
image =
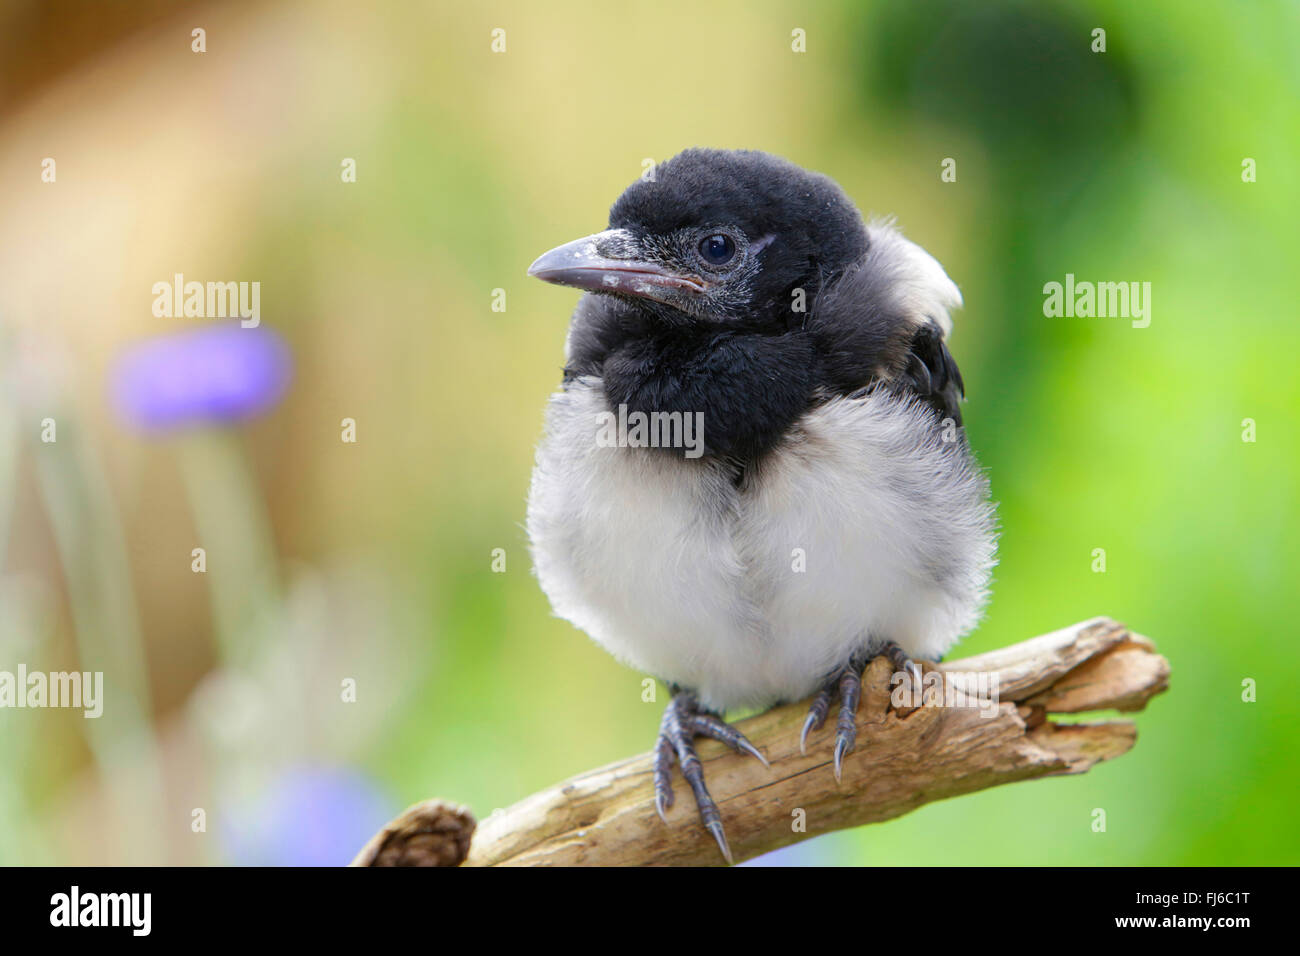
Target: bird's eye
pixel 717 249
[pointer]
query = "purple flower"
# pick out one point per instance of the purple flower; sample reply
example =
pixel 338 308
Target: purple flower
pixel 310 816
pixel 211 375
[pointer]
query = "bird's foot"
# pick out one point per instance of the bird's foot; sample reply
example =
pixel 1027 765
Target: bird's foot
pixel 845 684
pixel 904 665
pixel 684 720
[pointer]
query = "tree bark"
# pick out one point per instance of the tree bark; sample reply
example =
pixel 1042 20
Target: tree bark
pixel 984 722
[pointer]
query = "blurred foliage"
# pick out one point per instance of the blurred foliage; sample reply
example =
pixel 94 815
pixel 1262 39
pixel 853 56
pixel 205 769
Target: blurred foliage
pixel 377 567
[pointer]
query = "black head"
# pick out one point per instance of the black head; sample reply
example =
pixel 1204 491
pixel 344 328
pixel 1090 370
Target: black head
pixel 723 236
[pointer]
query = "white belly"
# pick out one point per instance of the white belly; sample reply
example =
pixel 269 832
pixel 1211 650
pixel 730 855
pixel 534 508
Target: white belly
pixel 851 533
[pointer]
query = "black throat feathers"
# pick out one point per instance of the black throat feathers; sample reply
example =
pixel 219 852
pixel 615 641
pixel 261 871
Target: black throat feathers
pixel 753 383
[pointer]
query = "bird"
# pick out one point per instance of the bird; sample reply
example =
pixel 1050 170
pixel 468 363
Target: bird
pixel 829 510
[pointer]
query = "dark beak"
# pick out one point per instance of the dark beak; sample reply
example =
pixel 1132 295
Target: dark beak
pixel 612 261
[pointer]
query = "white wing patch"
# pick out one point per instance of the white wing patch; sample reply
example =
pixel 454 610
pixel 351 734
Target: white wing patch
pixel 925 292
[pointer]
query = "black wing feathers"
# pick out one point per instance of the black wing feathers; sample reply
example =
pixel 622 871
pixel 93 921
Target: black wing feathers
pixel 932 374
pixel 866 339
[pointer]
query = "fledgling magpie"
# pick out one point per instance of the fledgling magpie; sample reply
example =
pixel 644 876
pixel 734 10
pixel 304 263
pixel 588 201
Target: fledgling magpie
pixel 834 512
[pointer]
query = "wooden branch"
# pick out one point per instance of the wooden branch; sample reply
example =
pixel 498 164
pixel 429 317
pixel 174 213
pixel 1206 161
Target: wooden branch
pixel 984 722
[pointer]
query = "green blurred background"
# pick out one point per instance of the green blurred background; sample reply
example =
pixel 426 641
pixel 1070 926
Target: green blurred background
pixel 372 561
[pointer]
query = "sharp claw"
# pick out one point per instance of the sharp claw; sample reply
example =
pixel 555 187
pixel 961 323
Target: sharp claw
pixel 712 726
pixel 841 748
pixel 749 748
pixel 661 807
pixel 803 737
pixel 716 829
